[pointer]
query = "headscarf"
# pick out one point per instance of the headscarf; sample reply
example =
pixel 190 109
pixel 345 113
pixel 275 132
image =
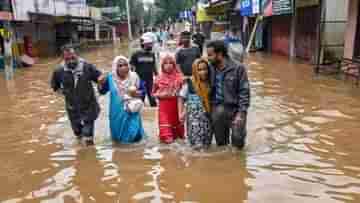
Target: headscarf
pixel 123 85
pixel 201 89
pixel 171 81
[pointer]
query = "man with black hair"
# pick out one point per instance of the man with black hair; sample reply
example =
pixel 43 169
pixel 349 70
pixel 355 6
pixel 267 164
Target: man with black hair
pixel 144 64
pixel 74 78
pixel 186 55
pixel 199 39
pixel 229 96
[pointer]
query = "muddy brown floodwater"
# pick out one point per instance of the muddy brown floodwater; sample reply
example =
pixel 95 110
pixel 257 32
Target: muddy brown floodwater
pixel 303 146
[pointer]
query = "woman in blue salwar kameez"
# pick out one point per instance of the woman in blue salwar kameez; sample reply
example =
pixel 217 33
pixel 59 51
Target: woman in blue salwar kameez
pixel 126 127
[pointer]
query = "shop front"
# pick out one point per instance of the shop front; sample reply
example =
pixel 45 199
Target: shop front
pixel 5 19
pixel 352 34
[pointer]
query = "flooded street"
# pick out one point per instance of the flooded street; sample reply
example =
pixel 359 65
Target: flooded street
pixel 302 146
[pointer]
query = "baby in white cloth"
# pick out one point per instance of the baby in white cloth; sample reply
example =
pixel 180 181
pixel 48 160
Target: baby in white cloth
pixel 132 102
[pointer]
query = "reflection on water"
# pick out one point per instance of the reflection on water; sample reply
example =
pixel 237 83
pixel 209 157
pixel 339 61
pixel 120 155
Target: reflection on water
pixel 302 146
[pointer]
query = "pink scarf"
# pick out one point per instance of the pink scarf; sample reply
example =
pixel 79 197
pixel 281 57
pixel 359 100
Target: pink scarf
pixel 169 82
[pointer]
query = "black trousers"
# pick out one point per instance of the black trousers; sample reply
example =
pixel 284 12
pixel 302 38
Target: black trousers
pixel 82 128
pixel 149 86
pixel 224 128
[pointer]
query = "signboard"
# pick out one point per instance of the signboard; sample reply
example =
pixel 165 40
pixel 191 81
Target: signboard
pixel 6 15
pixel 249 7
pixel 21 8
pixel 281 7
pixel 255 6
pixel 246 8
pixel 201 15
pixel 306 3
pixel 110 10
pixel 61 8
pixel 266 7
pixel 76 2
pixel 95 13
pixel 79 11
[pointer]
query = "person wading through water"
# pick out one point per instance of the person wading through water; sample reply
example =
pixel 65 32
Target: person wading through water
pixel 144 64
pixel 229 96
pixel 73 78
pixel 186 55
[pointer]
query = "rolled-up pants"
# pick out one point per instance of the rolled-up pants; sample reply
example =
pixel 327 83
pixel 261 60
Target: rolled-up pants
pixel 222 121
pixel 82 128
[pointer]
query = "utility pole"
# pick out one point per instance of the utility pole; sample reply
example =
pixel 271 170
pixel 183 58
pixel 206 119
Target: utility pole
pixel 129 25
pixel 129 19
pixel 8 55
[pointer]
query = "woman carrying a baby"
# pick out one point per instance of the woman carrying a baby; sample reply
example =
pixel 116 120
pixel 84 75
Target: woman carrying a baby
pixel 126 91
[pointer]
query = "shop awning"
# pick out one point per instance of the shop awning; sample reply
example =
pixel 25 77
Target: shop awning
pixel 73 19
pixel 202 16
pixel 42 18
pixel 218 7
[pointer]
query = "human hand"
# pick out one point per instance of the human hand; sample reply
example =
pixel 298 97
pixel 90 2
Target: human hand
pixel 182 117
pixel 137 93
pixel 101 80
pixel 239 118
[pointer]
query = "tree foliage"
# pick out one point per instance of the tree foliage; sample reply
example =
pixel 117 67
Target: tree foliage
pixel 97 3
pixel 171 8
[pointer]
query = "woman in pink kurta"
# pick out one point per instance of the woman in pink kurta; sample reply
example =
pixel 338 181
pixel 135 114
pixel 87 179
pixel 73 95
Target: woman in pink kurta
pixel 166 88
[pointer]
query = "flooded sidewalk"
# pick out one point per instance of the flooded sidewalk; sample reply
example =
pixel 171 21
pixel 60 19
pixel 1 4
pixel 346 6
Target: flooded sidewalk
pixel 302 146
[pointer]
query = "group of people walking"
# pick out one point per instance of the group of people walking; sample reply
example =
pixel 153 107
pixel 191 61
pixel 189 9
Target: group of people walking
pixel 198 98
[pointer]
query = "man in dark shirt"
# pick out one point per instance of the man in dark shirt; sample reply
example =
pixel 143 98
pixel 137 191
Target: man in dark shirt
pixel 74 78
pixel 199 39
pixel 144 63
pixel 186 56
pixel 229 95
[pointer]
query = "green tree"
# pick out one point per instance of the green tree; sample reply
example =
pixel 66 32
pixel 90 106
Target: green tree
pixel 171 8
pixel 97 3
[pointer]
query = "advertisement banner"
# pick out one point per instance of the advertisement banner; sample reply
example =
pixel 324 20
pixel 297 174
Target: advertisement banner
pixel 266 7
pixel 201 15
pixel 246 8
pixel 281 7
pixel 255 6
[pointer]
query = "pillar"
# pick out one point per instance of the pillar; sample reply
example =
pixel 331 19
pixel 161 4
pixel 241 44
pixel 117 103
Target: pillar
pixel 292 47
pixel 97 31
pixel 351 28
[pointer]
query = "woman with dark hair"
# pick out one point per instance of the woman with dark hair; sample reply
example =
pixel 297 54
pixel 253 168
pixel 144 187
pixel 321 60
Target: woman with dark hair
pixel 195 94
